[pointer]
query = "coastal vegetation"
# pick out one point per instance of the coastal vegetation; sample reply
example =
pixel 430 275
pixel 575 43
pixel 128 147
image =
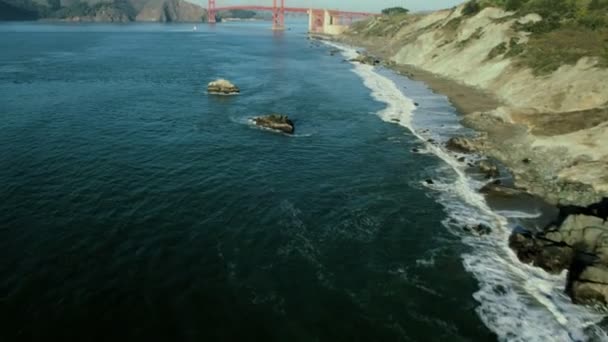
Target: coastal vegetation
pixel 392 20
pixel 395 11
pixel 569 30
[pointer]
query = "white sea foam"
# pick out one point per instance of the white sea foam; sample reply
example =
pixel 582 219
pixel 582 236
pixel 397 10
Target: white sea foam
pixel 518 302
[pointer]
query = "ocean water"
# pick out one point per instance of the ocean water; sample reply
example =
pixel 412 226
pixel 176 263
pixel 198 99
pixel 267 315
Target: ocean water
pixel 137 207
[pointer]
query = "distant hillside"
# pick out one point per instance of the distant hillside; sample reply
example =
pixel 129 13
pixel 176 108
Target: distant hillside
pixel 11 12
pixel 102 10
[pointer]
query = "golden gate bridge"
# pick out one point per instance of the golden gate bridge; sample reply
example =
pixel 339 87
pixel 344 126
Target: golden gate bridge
pixel 317 17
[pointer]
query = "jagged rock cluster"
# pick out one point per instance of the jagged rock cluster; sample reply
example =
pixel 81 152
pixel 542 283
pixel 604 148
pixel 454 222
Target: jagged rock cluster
pixel 579 244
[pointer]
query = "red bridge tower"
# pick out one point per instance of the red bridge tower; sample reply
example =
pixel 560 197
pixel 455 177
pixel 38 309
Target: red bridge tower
pixel 211 12
pixel 278 15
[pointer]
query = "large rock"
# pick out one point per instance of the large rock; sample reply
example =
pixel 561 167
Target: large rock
pixel 275 122
pixel 460 145
pixel 222 87
pixel 590 286
pixel 548 255
pixel 580 244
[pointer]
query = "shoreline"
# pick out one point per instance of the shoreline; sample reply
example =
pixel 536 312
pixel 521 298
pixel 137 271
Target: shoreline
pixel 482 227
pixel 465 98
pixel 548 291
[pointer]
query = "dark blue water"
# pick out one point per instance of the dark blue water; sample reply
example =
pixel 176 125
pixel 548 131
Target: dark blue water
pixel 135 206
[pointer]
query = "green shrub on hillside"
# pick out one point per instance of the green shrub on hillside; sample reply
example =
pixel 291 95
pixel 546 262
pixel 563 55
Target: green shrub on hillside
pixel 471 8
pixel 593 21
pixel 498 50
pixel 514 5
pixel 395 10
pixel 595 5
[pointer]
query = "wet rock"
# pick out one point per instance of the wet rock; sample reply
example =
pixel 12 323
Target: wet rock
pixel 275 122
pixel 489 169
pixel 552 256
pixel 222 87
pixel 429 181
pixel 462 159
pixel 499 290
pixel 415 150
pixel 460 145
pixel 431 141
pixel 416 104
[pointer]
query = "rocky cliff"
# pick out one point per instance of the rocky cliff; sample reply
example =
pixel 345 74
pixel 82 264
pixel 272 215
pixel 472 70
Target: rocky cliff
pixel 550 84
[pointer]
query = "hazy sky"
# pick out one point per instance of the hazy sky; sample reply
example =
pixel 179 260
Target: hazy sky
pixel 353 5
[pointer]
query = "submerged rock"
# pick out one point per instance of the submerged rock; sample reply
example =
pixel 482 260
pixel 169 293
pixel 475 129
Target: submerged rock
pixel 478 229
pixel 223 87
pixel 276 122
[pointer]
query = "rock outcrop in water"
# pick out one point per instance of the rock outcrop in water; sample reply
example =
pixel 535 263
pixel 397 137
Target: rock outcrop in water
pixel 275 122
pixel 222 87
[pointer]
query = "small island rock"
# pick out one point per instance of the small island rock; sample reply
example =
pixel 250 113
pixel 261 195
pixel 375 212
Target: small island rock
pixel 276 122
pixel 222 87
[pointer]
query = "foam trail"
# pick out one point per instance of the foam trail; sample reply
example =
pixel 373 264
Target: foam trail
pixel 518 302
